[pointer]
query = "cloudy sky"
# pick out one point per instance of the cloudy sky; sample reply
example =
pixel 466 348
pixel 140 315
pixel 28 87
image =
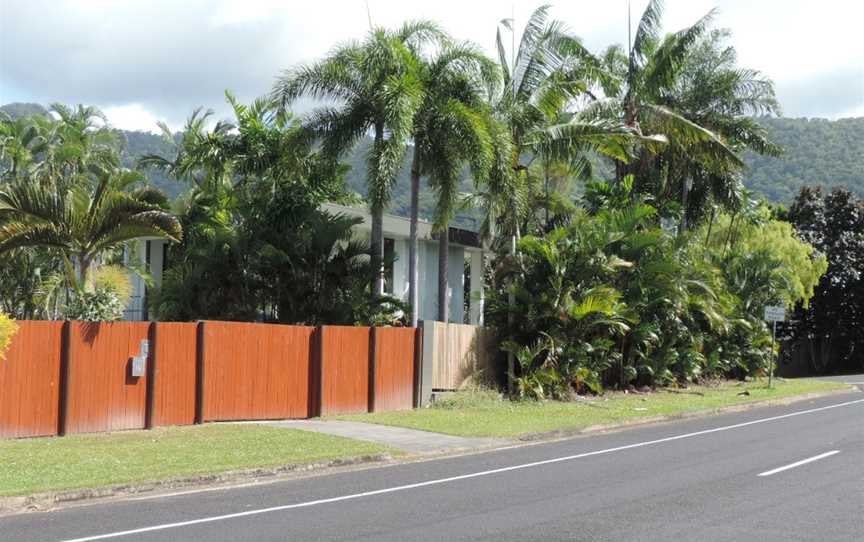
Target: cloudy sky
pixel 148 60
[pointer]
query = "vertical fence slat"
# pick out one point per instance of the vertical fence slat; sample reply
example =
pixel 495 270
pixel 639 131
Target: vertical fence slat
pixel 344 369
pixel 102 394
pixel 174 360
pixel 394 364
pixel 29 381
pixel 256 371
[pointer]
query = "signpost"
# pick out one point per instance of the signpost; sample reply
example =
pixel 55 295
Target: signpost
pixel 773 314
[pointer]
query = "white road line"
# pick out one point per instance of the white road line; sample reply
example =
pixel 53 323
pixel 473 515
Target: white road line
pixel 799 463
pixel 439 481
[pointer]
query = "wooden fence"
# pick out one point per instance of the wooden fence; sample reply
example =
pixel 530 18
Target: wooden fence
pixel 76 377
pixel 461 354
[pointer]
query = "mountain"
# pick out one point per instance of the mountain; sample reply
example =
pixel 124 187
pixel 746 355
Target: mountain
pixel 817 152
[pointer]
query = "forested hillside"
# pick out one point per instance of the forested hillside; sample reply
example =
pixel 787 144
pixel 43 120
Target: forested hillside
pixel 818 152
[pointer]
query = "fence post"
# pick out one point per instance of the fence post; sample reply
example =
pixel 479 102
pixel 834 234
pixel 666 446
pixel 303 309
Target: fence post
pixel 427 356
pixel 373 335
pixel 63 389
pixel 151 376
pixel 418 363
pixel 199 374
pixel 315 381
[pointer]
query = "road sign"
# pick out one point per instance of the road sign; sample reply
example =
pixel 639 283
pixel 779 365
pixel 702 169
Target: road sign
pixel 775 314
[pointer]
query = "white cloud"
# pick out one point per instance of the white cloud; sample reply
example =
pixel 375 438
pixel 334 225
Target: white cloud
pixel 168 57
pixel 132 117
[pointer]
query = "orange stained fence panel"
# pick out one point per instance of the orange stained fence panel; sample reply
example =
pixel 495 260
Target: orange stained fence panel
pixel 256 371
pixel 175 358
pixel 344 369
pixel 102 394
pixel 30 380
pixel 394 368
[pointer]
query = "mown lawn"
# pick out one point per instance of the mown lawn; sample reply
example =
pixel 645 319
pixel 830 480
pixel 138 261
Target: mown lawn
pixel 483 414
pixel 30 466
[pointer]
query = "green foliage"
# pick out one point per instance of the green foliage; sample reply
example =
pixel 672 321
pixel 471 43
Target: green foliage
pixel 614 300
pixel 115 279
pixel 257 246
pixel 818 152
pixel 796 267
pixel 31 284
pixel 65 205
pixel 8 328
pixel 98 305
pixel 829 328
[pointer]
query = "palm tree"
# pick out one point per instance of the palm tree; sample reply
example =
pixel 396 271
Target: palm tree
pixel 537 88
pixel 450 131
pixel 546 75
pixel 658 86
pixel 21 140
pixel 83 220
pixel 79 145
pixel 712 91
pixel 377 88
pixel 196 157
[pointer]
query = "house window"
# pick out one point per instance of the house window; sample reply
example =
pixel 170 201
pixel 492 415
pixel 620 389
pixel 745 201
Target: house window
pixel 389 258
pixel 145 313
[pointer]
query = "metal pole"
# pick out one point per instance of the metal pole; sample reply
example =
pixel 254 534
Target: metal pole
pixel 771 366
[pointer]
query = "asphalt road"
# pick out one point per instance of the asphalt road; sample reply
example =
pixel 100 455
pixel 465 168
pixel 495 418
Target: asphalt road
pixel 782 473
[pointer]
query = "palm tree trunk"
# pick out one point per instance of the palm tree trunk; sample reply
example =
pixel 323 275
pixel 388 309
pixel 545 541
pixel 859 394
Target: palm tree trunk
pixel 685 197
pixel 377 253
pixel 710 226
pixel 376 250
pixel 729 236
pixel 443 264
pixel 413 257
pixel 511 303
pixel 546 187
pixel 84 264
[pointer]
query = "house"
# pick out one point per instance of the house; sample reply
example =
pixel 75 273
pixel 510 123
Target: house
pixel 466 253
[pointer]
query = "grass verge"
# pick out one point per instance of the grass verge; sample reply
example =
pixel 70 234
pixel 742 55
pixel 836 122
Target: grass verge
pixel 29 466
pixel 485 414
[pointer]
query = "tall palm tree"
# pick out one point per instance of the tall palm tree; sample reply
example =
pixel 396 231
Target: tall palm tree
pixel 377 88
pixel 712 91
pixel 661 89
pixel 545 77
pixel 83 220
pixel 450 131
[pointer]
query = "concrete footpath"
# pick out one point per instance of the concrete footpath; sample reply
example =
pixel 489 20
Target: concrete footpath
pixel 400 438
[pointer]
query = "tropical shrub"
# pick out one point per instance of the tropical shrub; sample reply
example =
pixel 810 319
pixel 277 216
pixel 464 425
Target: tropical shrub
pixel 98 305
pixel 613 299
pixel 8 328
